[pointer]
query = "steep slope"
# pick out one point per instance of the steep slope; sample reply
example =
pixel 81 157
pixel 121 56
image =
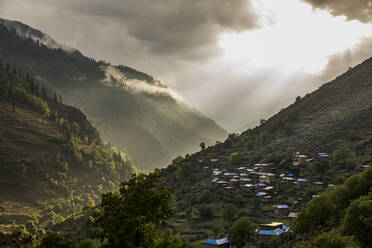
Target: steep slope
pixel 130 109
pixel 53 162
pixel 335 119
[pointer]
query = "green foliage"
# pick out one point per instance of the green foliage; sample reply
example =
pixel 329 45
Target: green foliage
pixel 318 212
pixel 168 240
pixel 241 232
pixel 322 166
pixel 328 209
pixel 235 158
pixel 229 212
pixel 55 240
pixel 330 240
pixel 130 218
pixel 358 220
pixel 18 238
pixel 206 210
pixel 337 116
pixel 206 196
pixel 305 244
pixel 343 156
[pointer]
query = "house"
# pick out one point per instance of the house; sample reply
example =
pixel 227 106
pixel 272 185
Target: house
pixel 234 180
pixel 292 215
pixel 259 194
pixel 318 186
pixel 212 243
pixel 262 179
pixel 282 210
pixel 272 226
pixel 263 167
pixel 322 155
pixel 244 179
pixel 301 182
pixel 268 188
pixel 362 168
pixel 267 178
pixel 299 159
pixel 268 231
pixel 249 186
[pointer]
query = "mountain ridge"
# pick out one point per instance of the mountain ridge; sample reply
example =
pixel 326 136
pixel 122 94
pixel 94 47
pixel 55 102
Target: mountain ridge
pixel 137 114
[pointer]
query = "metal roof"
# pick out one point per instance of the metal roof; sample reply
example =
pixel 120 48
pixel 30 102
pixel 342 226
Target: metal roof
pixel 217 242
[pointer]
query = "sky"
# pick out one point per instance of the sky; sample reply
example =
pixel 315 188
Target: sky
pixel 237 61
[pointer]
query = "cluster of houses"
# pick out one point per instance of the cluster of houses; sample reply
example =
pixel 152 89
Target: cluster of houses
pixel 259 180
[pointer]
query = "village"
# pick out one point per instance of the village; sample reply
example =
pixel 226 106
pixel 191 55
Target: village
pixel 266 182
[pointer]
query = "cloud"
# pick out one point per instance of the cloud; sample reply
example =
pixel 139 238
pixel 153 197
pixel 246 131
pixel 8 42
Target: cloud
pixel 360 10
pixel 115 78
pixel 183 28
pixel 341 62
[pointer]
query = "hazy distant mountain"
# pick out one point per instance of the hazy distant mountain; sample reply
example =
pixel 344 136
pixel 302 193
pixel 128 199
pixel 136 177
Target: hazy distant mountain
pixel 131 109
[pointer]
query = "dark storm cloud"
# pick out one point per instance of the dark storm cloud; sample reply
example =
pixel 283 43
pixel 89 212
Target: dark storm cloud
pixel 185 28
pixel 353 9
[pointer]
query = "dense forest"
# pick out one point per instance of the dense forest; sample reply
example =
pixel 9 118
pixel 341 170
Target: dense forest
pixel 53 161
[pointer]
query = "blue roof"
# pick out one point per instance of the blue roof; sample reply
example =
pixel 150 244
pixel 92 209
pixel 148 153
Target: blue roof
pixel 260 194
pixel 278 231
pixel 282 206
pixel 261 185
pixel 290 174
pixel 322 155
pixel 302 180
pixel 233 174
pixel 275 232
pixel 234 180
pixel 252 172
pixel 201 160
pixel 216 242
pixel 266 233
pixel 284 227
pixel 205 167
pixel 246 179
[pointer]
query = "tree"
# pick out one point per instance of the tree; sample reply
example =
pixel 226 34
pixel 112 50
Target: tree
pixel 241 232
pixel 206 211
pixel 343 156
pixel 206 196
pixel 298 98
pixel 330 240
pixel 130 217
pixel 55 240
pixel 202 146
pixel 235 158
pixel 358 220
pixel 322 166
pixel 229 212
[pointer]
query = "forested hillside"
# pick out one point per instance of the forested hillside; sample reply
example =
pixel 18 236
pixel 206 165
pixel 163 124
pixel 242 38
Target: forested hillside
pixel 130 109
pixel 53 162
pixel 250 174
